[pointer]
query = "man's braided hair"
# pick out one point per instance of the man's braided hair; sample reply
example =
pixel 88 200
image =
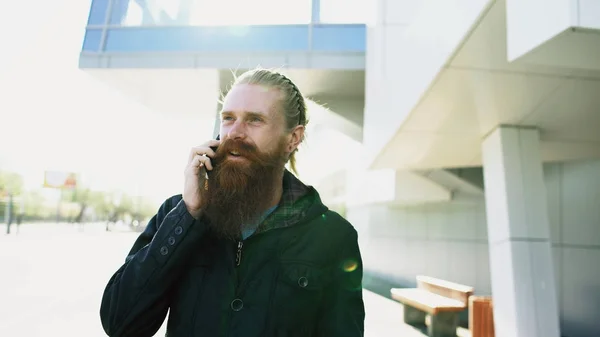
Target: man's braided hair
pixel 292 101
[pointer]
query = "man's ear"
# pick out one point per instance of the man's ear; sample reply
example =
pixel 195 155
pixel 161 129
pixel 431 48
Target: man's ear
pixel 295 138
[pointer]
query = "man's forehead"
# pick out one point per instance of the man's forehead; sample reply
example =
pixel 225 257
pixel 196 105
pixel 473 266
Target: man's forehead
pixel 251 98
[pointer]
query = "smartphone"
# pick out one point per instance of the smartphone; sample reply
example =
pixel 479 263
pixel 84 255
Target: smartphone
pixel 214 148
pixel 207 172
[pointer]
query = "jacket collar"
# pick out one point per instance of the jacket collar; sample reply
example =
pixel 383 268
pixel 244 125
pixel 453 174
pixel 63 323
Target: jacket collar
pixel 297 202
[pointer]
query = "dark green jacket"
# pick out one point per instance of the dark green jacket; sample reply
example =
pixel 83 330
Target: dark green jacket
pixel 299 275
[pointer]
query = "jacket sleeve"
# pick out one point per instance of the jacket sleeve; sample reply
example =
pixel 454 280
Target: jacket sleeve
pixel 136 298
pixel 343 312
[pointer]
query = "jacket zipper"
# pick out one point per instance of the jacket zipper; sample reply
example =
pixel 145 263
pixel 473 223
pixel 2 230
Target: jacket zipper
pixel 238 255
pixel 238 260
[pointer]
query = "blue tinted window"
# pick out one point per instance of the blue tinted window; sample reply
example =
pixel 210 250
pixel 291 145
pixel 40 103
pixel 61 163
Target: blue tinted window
pixel 98 12
pixel 210 12
pixel 119 11
pixel 337 38
pixel 231 38
pixel 250 12
pixel 345 38
pixel 91 41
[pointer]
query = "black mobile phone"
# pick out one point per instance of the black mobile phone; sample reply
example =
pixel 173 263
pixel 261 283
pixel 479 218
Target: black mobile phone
pixel 207 172
pixel 214 148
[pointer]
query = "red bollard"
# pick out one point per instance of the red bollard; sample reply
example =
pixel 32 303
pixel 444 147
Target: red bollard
pixel 481 316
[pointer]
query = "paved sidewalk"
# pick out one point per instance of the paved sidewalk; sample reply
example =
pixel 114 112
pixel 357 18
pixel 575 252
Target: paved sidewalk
pixel 49 228
pixel 54 275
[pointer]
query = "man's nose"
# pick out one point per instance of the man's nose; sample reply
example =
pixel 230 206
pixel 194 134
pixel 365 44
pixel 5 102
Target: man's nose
pixel 237 131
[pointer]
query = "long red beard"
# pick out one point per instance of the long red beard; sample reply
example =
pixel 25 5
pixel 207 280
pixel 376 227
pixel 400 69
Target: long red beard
pixel 240 190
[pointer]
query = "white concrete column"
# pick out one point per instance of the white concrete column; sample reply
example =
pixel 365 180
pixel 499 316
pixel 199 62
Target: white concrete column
pixel 522 270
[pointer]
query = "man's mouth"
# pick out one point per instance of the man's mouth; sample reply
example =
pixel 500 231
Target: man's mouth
pixel 234 153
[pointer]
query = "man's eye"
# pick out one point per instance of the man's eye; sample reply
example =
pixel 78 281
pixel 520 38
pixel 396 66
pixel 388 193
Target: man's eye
pixel 227 118
pixel 255 119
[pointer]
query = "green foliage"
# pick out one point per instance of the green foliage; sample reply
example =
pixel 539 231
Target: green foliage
pixel 11 182
pixel 36 207
pixel 100 203
pixel 104 204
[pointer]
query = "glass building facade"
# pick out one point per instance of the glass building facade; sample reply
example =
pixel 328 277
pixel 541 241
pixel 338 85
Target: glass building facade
pixel 226 25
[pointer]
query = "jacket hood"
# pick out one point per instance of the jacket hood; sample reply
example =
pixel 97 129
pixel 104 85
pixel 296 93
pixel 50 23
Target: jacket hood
pixel 298 202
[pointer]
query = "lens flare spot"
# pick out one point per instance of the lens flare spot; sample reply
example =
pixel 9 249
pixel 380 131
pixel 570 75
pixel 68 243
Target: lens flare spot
pixel 323 216
pixel 350 265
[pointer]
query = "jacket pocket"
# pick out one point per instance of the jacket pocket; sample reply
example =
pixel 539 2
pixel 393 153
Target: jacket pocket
pixel 303 277
pixel 299 290
pixel 187 296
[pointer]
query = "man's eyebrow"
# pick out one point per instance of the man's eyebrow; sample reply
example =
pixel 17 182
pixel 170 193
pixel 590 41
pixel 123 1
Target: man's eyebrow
pixel 249 113
pixel 257 114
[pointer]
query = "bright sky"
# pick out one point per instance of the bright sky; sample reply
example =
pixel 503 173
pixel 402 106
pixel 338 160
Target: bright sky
pixel 54 116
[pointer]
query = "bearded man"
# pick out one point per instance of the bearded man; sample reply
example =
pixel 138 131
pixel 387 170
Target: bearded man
pixel 247 249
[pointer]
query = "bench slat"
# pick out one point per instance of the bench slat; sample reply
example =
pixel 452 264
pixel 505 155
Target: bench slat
pixel 444 288
pixel 426 301
pixel 445 284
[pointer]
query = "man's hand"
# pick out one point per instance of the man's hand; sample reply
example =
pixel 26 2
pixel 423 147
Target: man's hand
pixel 198 162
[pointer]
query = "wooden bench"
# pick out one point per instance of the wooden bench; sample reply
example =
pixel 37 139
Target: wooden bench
pixel 437 300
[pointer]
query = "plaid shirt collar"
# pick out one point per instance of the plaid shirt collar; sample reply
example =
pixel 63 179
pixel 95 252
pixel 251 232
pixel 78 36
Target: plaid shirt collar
pixel 295 201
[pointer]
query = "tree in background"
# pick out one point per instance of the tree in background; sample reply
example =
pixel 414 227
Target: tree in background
pixel 110 206
pixel 37 207
pixel 11 182
pixel 83 203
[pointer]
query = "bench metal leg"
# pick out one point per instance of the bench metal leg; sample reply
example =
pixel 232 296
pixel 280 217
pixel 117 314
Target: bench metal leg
pixel 413 315
pixel 443 324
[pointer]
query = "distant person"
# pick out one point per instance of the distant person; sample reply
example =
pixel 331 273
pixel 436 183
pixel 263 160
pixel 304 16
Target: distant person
pixel 79 219
pixel 112 218
pixel 9 213
pixel 20 215
pixel 251 251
